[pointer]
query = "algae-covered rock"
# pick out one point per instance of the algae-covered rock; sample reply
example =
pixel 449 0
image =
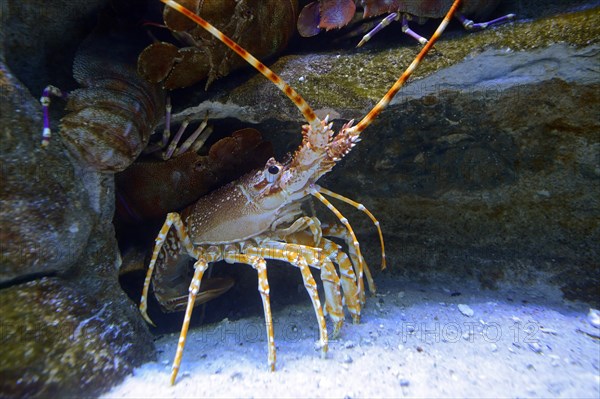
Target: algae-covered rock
pixel 45 214
pixel 57 340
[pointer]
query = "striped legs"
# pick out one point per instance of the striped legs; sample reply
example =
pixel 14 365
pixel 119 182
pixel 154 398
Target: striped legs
pixel 173 218
pixel 259 264
pixel 199 268
pixel 467 24
pixel 296 255
pixel 303 246
pixel 331 253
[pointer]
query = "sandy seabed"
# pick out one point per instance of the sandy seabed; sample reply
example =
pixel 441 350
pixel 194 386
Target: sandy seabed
pixel 413 341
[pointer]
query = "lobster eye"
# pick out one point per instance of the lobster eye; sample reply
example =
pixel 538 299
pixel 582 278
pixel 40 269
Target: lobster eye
pixel 274 169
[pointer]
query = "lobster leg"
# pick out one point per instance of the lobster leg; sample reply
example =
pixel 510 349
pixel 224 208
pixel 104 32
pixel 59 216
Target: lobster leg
pixel 195 141
pixel 45 100
pixel 199 268
pixel 406 29
pixel 204 258
pixel 295 255
pixel 384 22
pixel 259 264
pixel 333 298
pixel 470 24
pixel 333 253
pixel 329 276
pixel 173 218
pixel 300 224
pixel 388 20
pixel 166 131
pixel 362 208
pixel 297 234
pixel 341 232
pixel 332 282
pixel 355 246
pixel 347 277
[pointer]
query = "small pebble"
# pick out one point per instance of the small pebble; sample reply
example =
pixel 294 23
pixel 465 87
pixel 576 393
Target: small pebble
pixel 534 346
pixel 236 376
pixel 404 382
pixel 494 347
pixel 593 317
pixel 548 331
pixel 466 310
pixel 543 193
pixel 349 344
pixel 347 359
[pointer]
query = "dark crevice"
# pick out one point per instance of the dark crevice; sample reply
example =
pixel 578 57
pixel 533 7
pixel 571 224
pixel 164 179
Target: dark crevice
pixel 26 279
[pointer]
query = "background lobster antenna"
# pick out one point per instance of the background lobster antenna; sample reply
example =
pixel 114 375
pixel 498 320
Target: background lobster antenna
pixel 293 95
pixel 366 121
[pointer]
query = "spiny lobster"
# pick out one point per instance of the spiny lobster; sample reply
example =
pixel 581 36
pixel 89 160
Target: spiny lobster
pixel 113 114
pixel 259 216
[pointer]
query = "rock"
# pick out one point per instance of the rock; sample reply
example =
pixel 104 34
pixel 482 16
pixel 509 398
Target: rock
pixel 535 347
pixel 466 310
pixel 593 318
pixel 49 58
pixel 60 341
pixel 67 327
pixel 45 215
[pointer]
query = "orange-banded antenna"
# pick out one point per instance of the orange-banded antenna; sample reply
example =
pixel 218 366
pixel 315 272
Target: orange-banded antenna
pixel 368 119
pixel 293 95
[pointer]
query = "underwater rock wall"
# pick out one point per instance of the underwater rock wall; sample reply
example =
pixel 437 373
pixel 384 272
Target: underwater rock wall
pixel 66 327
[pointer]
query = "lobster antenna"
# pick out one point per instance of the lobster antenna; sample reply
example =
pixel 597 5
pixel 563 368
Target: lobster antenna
pixel 293 95
pixel 366 121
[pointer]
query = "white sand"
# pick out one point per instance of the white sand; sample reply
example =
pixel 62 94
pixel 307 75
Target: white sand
pixel 413 341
